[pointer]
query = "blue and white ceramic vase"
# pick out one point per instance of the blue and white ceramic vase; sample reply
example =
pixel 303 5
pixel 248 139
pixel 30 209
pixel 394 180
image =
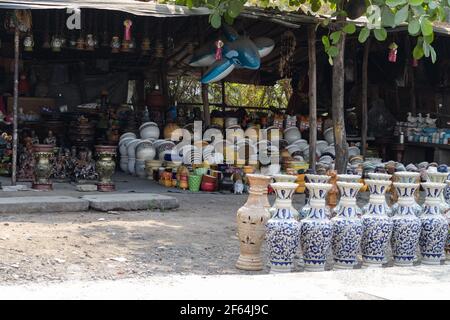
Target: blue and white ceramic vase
pixel 316 230
pixel 433 236
pixel 282 229
pixel 347 227
pixel 408 177
pixel 447 215
pixel 406 227
pixel 352 178
pixel 439 177
pixel 384 177
pixel 292 179
pixel 377 226
pixel 314 178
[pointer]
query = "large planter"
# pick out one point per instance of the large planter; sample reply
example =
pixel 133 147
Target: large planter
pixel 347 227
pixel 433 236
pixel 407 226
pixel 316 229
pixel 131 151
pixel 43 168
pixel 283 230
pixel 314 178
pixel 377 226
pixel 251 220
pixel 105 167
pixel 149 130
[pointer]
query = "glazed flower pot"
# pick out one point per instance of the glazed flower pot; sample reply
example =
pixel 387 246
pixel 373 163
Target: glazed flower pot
pixel 283 230
pixel 351 178
pixel 131 151
pixel 105 167
pixel 316 229
pixel 145 151
pixel 151 166
pixel 439 177
pixel 347 227
pixel 140 168
pixel 149 130
pixel 377 226
pixel 328 134
pixel 208 186
pixel 251 221
pixel 407 177
pixel 123 146
pixel 124 163
pixel 314 178
pixel 291 179
pixel 43 168
pixel 384 177
pixel 407 226
pixel 127 135
pixel 194 182
pixel 434 233
pixel 292 134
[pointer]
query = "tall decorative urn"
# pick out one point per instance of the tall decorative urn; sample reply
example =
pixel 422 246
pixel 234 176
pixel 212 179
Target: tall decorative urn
pixel 377 226
pixel 347 227
pixel 352 178
pixel 439 177
pixel 251 221
pixel 105 167
pixel 385 177
pixel 406 227
pixel 316 229
pixel 287 178
pixel 433 236
pixel 43 168
pixel 407 177
pixel 314 178
pixel 283 229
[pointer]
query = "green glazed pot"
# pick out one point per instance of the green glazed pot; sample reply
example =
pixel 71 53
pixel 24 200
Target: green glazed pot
pixel 194 182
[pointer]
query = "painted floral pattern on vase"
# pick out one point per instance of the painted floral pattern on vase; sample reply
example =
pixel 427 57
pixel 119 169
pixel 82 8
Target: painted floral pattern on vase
pixel 406 225
pixel 347 227
pixel 316 229
pixel 377 226
pixel 314 178
pixel 282 229
pixel 434 233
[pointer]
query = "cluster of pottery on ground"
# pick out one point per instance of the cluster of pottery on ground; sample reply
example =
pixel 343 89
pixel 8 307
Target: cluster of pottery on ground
pixel 344 231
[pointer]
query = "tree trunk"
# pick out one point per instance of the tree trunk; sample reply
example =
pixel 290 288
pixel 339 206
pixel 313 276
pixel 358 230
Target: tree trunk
pixel 312 95
pixel 337 109
pixel 206 114
pixel 364 98
pixel 16 98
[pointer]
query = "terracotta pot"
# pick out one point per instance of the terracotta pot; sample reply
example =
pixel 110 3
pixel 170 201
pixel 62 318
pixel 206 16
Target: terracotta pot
pixel 251 220
pixel 208 186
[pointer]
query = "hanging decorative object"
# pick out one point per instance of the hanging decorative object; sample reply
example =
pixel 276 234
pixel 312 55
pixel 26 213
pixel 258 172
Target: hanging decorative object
pixel 377 225
pixel 115 44
pixel 392 57
pixel 407 227
pixel 219 46
pixel 127 35
pixel 433 236
pixel 28 42
pixel 251 220
pixel 238 52
pixel 287 49
pixel 56 43
pixel 90 42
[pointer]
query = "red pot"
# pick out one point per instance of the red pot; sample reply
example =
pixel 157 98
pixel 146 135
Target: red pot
pixel 208 186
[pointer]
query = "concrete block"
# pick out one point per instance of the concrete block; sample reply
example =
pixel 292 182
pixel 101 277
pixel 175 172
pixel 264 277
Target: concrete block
pixel 130 202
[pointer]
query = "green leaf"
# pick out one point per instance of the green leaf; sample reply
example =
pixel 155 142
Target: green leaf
pixel 432 5
pixel 326 42
pixel 426 49
pixel 216 21
pixel 335 36
pixel 429 39
pixel 235 8
pixel 363 35
pixel 380 34
pixel 189 4
pixel 433 54
pixel 229 20
pixel 426 26
pixel 413 27
pixel 333 51
pixel 395 3
pixel 349 28
pixel 417 52
pixel 315 5
pixel 387 17
pixel 415 2
pixel 401 15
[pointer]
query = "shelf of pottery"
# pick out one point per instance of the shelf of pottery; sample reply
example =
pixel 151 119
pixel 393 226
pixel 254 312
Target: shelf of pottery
pixel 423 130
pixel 344 235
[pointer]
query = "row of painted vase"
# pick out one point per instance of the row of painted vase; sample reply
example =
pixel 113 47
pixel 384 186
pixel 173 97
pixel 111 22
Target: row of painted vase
pixel 347 234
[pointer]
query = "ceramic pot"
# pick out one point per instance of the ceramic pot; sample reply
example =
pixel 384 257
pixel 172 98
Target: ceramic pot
pixel 227 183
pixel 283 230
pixel 231 121
pixel 316 229
pixel 385 177
pixel 439 177
pixel 314 178
pixel 352 178
pixel 124 163
pixel 151 166
pixel 140 168
pixel 407 177
pixel 251 221
pixel 194 182
pixel 292 134
pixel 131 151
pixel 105 167
pixel 347 227
pixel 377 226
pixel 407 226
pixel 328 135
pixel 145 151
pixel 43 168
pixel 433 236
pixel 149 130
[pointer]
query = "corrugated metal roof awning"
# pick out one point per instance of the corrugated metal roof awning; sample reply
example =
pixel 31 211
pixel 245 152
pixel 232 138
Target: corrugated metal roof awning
pixel 139 8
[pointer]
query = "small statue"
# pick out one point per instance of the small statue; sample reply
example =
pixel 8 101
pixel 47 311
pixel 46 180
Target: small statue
pixel 238 184
pixel 51 139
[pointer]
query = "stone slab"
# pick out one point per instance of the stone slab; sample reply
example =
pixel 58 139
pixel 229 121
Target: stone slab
pixel 131 202
pixel 47 204
pixel 86 187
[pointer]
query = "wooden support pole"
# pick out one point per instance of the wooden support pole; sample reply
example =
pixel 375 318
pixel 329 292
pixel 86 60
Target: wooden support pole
pixel 364 97
pixel 312 94
pixel 410 70
pixel 337 108
pixel 15 104
pixel 205 99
